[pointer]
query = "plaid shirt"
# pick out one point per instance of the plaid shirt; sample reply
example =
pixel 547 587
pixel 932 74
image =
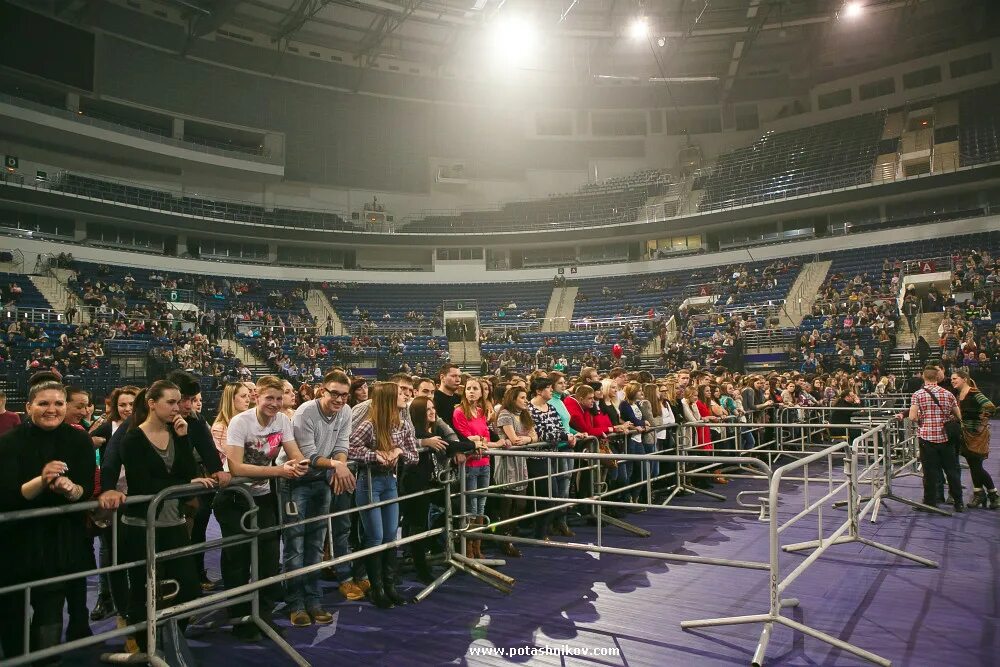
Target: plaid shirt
pixel 932 417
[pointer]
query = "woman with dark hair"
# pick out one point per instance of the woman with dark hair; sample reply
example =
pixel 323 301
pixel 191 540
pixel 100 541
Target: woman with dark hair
pixel 379 444
pixel 156 455
pixel 305 392
pixel 442 444
pixel 549 427
pixel 515 423
pixel 976 412
pixel 359 391
pixel 47 463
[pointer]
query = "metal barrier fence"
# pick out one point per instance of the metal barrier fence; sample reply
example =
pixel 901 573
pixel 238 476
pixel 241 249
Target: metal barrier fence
pixel 675 463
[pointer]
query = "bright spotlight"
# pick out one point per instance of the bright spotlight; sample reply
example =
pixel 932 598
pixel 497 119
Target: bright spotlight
pixel 514 40
pixel 853 10
pixel 639 28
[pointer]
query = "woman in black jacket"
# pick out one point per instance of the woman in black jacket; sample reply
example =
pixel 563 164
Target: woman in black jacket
pixel 441 443
pixel 156 455
pixel 46 463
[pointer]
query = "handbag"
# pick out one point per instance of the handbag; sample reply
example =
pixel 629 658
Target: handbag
pixel 976 443
pixel 604 448
pixel 952 427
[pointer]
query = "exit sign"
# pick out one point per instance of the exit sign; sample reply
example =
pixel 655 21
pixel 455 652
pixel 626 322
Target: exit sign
pixel 10 161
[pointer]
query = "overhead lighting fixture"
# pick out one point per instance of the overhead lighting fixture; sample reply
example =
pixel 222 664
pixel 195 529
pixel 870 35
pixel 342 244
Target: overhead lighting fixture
pixel 853 9
pixel 639 28
pixel 661 41
pixel 514 39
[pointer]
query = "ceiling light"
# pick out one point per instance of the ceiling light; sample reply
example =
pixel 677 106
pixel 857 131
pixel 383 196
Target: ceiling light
pixel 853 9
pixel 661 41
pixel 514 39
pixel 639 28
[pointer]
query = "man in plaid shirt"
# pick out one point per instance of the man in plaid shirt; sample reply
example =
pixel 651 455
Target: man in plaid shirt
pixel 930 407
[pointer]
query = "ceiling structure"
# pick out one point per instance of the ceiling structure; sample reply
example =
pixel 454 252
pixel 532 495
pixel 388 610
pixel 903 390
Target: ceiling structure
pixel 727 39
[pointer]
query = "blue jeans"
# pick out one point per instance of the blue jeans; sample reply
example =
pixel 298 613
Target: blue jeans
pixel 381 523
pixel 477 477
pixel 304 544
pixel 637 471
pixel 653 448
pixel 346 537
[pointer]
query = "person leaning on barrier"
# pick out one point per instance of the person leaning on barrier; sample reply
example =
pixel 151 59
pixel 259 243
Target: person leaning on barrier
pixel 322 429
pixel 471 421
pixel 930 407
pixel 976 412
pixel 379 445
pixel 549 428
pixel 47 463
pixel 514 422
pixel 157 454
pixel 441 445
pixel 253 441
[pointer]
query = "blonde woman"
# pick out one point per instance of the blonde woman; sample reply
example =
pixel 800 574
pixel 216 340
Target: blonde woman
pixel 235 399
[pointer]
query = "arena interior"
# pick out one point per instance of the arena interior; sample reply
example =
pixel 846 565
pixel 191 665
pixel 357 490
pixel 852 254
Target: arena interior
pixel 486 332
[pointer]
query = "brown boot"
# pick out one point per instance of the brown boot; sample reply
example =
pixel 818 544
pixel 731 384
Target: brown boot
pixel 481 521
pixel 508 548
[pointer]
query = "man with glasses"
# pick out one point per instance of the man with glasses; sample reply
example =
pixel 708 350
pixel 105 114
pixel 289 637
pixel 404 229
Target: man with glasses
pixel 322 428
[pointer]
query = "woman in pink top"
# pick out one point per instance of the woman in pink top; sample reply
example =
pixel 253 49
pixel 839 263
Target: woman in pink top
pixel 471 420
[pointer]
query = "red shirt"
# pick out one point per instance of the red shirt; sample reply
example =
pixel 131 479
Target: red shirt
pixel 932 417
pixel 583 421
pixel 9 421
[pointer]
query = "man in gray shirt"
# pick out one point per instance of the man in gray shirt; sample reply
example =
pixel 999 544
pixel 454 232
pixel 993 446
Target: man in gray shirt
pixel 322 430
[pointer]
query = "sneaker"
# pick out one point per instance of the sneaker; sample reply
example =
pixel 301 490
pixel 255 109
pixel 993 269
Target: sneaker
pixel 321 616
pixel 300 619
pixel 352 591
pixel 364 585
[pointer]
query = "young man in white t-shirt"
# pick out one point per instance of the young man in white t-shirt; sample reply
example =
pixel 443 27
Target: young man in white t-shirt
pixel 253 441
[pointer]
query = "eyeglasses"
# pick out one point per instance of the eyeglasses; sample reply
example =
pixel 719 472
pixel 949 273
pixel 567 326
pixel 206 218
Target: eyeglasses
pixel 338 395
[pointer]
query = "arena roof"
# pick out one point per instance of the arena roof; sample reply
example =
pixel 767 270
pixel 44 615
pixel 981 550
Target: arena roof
pixel 732 40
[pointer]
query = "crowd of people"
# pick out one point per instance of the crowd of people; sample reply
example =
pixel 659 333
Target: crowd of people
pixel 337 443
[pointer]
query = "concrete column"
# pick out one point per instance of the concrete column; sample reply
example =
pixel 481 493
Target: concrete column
pixel 177 131
pixel 272 253
pixel 79 230
pixel 881 213
pixel 182 245
pixel 274 145
pixel 72 102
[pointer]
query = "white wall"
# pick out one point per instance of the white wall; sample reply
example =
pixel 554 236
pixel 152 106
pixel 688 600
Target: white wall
pixel 463 273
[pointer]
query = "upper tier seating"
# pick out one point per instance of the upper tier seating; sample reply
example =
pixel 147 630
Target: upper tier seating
pixel 207 208
pixel 979 126
pixel 611 202
pixel 823 157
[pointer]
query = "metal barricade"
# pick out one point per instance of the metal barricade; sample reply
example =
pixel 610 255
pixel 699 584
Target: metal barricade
pixel 845 531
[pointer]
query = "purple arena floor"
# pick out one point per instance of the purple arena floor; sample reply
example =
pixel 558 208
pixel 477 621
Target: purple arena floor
pixel 903 611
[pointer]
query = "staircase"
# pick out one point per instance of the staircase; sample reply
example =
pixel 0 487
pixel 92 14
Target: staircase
pixel 802 294
pixel 256 365
pixel 559 312
pixel 927 326
pixel 466 354
pixel 653 348
pixel 53 288
pixel 319 307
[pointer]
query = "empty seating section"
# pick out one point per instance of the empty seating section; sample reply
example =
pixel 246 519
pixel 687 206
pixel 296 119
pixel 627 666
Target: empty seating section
pixel 611 202
pixel 798 162
pixel 426 301
pixel 124 193
pixel 979 126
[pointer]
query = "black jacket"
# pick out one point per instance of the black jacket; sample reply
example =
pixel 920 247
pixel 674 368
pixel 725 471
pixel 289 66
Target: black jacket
pixel 145 471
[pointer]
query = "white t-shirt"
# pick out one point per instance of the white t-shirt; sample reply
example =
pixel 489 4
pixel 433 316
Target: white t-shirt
pixel 261 444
